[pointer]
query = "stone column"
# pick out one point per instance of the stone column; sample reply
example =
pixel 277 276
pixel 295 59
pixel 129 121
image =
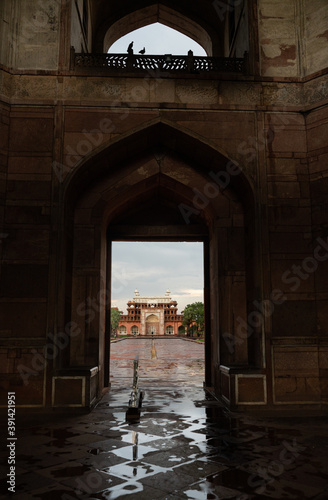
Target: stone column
pixel 161 322
pixel 143 322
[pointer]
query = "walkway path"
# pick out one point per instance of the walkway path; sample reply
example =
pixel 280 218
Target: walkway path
pixel 163 360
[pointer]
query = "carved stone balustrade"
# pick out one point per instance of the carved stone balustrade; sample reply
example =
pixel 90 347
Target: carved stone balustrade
pixel 158 64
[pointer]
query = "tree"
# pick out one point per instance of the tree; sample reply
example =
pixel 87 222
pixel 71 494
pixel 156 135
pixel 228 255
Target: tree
pixel 115 317
pixel 194 318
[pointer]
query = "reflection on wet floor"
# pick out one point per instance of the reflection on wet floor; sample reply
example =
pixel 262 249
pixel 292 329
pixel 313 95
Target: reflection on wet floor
pixel 159 360
pixel 186 446
pixel 153 350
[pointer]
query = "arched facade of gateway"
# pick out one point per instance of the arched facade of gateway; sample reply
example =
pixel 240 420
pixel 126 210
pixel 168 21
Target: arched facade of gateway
pixel 151 316
pixel 230 151
pixel 146 192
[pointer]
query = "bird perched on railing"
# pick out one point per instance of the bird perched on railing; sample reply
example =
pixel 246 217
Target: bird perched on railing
pixel 142 51
pixel 130 48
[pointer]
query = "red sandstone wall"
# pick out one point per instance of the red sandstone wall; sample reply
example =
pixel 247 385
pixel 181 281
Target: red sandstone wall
pixel 130 324
pixel 25 308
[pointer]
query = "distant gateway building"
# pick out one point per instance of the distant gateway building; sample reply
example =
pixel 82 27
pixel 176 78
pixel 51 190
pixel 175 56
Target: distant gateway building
pixel 151 316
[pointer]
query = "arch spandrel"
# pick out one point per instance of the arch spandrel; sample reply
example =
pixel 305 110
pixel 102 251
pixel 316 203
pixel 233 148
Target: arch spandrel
pixel 158 14
pixel 133 189
pixel 155 138
pixel 198 20
pixel 126 196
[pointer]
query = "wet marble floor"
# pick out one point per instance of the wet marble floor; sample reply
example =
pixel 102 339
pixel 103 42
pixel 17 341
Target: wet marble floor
pixel 162 360
pixel 185 446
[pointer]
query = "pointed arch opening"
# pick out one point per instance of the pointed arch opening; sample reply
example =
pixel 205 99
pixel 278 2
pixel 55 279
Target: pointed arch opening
pixel 222 30
pixel 163 15
pixel 160 183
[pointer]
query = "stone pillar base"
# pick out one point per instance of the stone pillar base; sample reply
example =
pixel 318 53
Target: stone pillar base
pixel 75 388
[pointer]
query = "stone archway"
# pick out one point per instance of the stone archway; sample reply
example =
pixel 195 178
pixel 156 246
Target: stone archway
pixel 181 330
pixel 122 330
pixel 134 330
pixel 158 14
pixel 149 192
pixel 152 324
pixel 200 22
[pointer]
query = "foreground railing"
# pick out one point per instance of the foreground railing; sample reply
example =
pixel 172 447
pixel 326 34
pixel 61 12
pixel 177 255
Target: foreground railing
pixel 166 63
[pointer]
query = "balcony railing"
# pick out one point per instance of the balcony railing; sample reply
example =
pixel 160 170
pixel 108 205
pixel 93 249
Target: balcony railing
pixel 155 64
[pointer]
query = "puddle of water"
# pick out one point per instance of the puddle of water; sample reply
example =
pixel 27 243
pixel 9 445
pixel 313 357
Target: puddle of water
pixel 174 459
pixel 205 492
pixel 128 488
pixel 128 452
pixel 134 470
pixel 199 495
pixel 153 350
pixel 138 438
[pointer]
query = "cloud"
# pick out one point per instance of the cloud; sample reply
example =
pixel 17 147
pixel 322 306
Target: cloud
pixel 132 274
pixel 153 267
pixel 189 293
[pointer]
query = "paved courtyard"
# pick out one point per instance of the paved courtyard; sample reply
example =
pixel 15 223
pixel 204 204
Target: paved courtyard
pixel 161 360
pixel 186 446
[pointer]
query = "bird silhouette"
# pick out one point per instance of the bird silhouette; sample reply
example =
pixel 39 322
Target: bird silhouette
pixel 142 51
pixel 130 49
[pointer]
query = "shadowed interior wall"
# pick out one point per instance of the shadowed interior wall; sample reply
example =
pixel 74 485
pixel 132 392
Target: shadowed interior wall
pixel 80 149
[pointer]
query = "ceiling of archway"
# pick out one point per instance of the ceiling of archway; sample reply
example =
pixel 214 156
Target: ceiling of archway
pixel 164 145
pixel 198 20
pixel 158 192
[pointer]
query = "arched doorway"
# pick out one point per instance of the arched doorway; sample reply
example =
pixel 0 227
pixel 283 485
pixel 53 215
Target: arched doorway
pixel 122 330
pixel 169 330
pixel 152 324
pixel 134 330
pixel 162 184
pixel 181 330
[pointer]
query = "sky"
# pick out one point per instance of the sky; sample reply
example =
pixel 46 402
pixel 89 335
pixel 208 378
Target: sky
pixel 154 267
pixel 157 39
